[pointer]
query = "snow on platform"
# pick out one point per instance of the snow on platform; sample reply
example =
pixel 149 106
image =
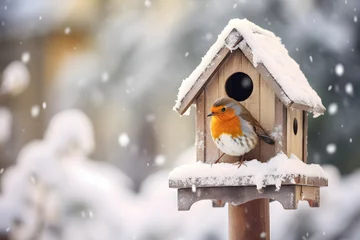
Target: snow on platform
pixel 279 170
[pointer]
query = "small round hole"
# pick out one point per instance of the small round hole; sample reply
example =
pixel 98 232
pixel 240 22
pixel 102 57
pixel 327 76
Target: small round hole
pixel 295 126
pixel 239 86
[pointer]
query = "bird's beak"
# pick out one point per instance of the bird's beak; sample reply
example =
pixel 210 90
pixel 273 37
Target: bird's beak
pixel 210 114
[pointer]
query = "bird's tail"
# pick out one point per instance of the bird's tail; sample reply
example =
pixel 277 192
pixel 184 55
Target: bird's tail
pixel 267 139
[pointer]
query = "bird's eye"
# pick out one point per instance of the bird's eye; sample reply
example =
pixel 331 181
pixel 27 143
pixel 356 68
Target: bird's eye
pixel 223 109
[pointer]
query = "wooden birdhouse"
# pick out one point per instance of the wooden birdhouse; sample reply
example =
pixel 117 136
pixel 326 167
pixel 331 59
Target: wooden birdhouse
pixel 251 65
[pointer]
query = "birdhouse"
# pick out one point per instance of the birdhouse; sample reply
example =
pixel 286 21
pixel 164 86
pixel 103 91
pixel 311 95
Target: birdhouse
pixel 251 65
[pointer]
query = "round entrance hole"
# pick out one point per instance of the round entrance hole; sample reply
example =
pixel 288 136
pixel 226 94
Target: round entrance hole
pixel 239 86
pixel 295 126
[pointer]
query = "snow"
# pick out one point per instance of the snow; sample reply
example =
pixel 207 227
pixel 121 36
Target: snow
pixel 44 105
pixel 123 140
pixel 333 108
pixel 349 89
pixel 160 160
pixel 147 3
pixel 15 78
pixel 355 19
pixel 311 58
pixel 67 30
pixel 25 57
pixel 35 111
pixel 254 172
pixel 339 69
pixel 5 125
pixel 267 49
pixel 331 148
pixel 71 131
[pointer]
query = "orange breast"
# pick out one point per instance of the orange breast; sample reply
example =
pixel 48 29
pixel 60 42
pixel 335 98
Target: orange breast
pixel 231 126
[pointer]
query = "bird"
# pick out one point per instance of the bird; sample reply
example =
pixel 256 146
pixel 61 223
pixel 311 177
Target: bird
pixel 234 130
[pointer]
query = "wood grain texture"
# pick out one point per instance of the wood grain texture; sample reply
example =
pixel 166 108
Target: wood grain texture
pixel 210 71
pixel 248 181
pixel 256 221
pixel 256 213
pixel 231 66
pixel 280 121
pixel 211 95
pixel 289 196
pixel 295 142
pixel 252 103
pixel 267 118
pixel 200 128
pixel 305 136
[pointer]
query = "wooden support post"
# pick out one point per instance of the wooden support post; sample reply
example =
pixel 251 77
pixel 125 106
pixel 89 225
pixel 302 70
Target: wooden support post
pixel 249 220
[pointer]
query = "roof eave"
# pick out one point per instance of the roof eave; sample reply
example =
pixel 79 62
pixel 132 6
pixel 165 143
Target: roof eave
pixel 205 77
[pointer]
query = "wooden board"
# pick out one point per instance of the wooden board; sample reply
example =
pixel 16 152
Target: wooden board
pixel 288 196
pixel 252 103
pixel 231 66
pixel 295 142
pixel 305 136
pixel 246 181
pixel 267 118
pixel 280 121
pixel 209 72
pixel 200 128
pixel 211 95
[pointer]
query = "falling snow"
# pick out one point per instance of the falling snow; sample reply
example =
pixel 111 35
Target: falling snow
pixel 349 89
pixel 160 160
pixel 67 30
pixel 193 188
pixel 15 78
pixel 104 77
pixel 35 110
pixel 44 105
pixel 331 148
pixel 329 87
pixel 147 3
pixel 25 57
pixel 123 140
pixel 350 140
pixel 311 58
pixel 333 108
pixel 339 69
pixel 355 19
pixel 186 54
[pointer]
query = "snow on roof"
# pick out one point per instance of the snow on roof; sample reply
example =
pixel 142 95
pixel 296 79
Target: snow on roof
pixel 268 50
pixel 256 173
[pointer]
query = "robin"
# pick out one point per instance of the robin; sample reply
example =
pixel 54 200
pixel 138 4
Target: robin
pixel 234 130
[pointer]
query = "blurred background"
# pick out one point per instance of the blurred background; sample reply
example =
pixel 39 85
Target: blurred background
pixel 88 134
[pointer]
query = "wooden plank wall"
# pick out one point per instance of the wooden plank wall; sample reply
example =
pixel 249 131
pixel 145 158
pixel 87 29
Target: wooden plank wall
pixel 295 142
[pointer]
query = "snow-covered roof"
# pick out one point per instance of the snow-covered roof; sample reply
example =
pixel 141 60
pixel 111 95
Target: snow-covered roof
pixel 277 171
pixel 267 54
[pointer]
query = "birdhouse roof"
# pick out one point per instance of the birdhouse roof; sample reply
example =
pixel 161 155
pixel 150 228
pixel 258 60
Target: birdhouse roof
pixel 267 54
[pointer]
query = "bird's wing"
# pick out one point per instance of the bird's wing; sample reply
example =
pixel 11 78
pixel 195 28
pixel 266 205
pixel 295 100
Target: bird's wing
pixel 259 130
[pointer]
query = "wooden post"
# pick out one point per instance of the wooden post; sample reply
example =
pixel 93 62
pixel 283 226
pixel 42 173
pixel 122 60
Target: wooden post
pixel 251 220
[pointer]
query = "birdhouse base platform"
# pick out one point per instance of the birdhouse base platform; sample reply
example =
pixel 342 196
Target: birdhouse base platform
pixel 286 180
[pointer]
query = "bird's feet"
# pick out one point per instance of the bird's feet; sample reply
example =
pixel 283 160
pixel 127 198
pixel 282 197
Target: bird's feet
pixel 239 163
pixel 218 160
